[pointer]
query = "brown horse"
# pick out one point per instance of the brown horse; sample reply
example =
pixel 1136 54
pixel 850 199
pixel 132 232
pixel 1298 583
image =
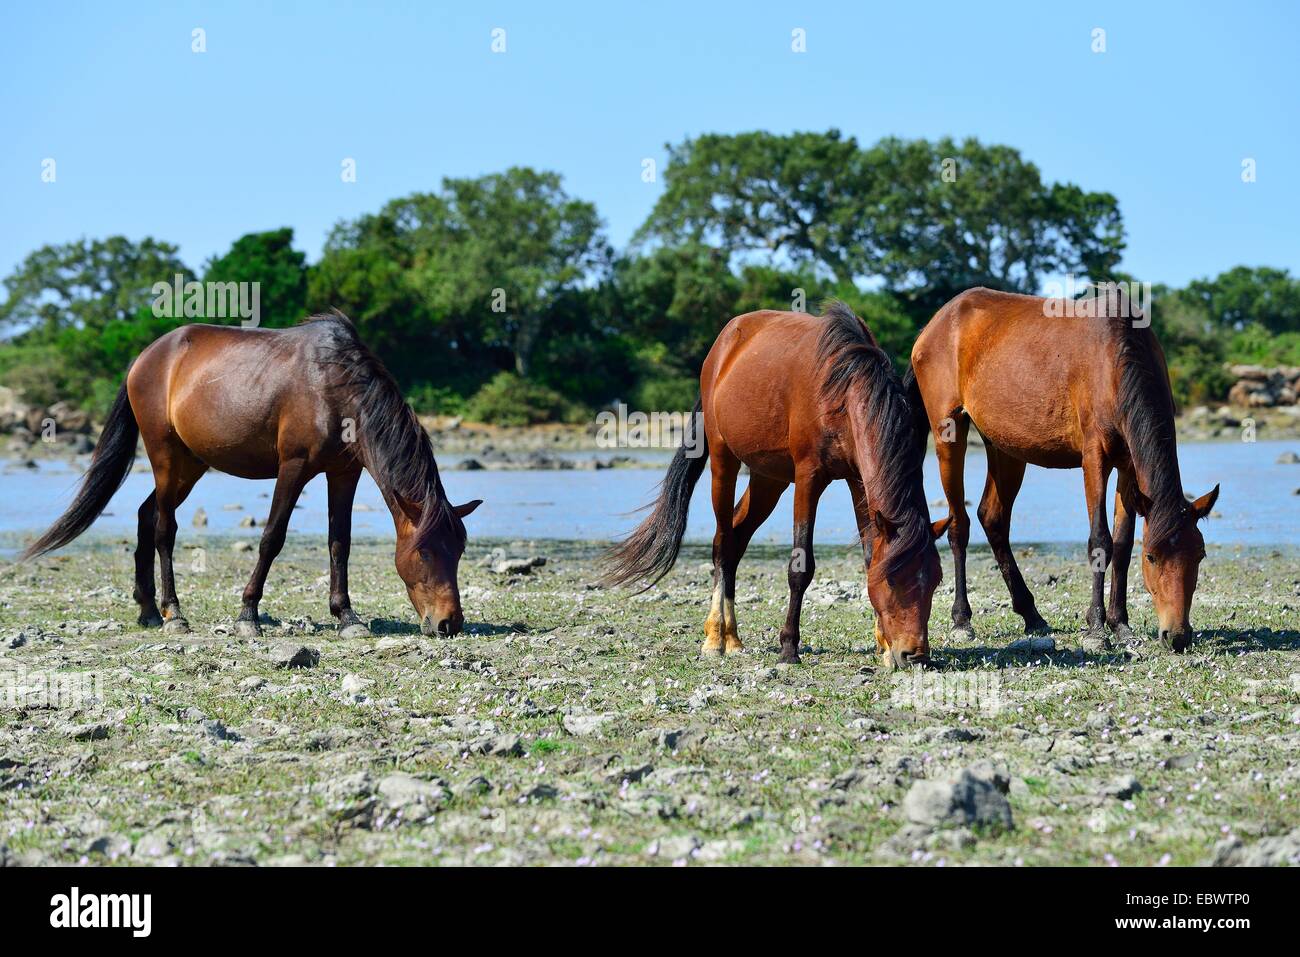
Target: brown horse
pixel 1088 391
pixel 286 404
pixel 805 400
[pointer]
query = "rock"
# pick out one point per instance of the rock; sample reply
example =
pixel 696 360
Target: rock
pixel 1122 788
pixel 631 773
pixel 683 739
pixel 540 792
pixel 518 566
pixel 200 519
pixel 1037 644
pixel 355 684
pixel 585 725
pixel 289 655
pixel 252 683
pixel 248 521
pixel 219 732
pixel 241 546
pixel 88 732
pixel 111 846
pixel 1288 458
pixel 1279 851
pixel 400 790
pixel 499 745
pixel 674 848
pixel 976 795
pixel 476 785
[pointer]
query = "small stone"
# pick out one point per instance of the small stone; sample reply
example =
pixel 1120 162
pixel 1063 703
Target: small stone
pixel 355 684
pixel 1122 788
pixel 200 519
pixel 248 521
pixel 540 792
pixel 1288 458
pixel 1036 644
pixel 289 655
pixel 241 546
pixel 976 795
pixel 400 790
pixel 252 683
pixel 518 566
pixel 88 732
pixel 585 725
pixel 674 848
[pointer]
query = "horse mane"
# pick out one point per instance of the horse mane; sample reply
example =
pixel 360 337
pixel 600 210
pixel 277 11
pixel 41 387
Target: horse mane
pixel 1146 417
pixel 849 356
pixel 392 443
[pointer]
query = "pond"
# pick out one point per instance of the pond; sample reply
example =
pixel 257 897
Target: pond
pixel 1259 504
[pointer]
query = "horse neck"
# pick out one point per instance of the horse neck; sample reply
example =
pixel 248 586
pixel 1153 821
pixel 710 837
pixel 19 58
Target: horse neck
pixel 865 439
pixel 1155 458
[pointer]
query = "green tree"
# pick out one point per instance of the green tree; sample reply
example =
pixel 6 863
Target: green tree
pixel 270 260
pixel 1270 297
pixel 803 197
pixel 86 283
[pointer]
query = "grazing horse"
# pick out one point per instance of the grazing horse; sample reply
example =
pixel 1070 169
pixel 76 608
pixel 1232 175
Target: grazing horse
pixel 806 400
pixel 1046 385
pixel 286 404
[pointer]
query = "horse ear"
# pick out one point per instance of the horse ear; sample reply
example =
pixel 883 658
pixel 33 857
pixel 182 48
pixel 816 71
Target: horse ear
pixel 463 510
pixel 1201 507
pixel 409 509
pixel 939 527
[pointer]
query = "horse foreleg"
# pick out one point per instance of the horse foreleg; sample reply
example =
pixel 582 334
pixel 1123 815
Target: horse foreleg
pixel 288 486
pixel 1125 522
pixel 1096 475
pixel 720 627
pixel 342 489
pixel 755 506
pixel 807 490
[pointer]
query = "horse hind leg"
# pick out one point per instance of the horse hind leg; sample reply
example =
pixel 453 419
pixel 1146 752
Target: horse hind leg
pixel 176 470
pixel 145 592
pixel 1000 490
pixel 755 506
pixel 950 434
pixel 721 621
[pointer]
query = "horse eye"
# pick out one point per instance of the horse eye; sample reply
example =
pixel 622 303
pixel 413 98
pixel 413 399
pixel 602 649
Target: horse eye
pixel 1151 559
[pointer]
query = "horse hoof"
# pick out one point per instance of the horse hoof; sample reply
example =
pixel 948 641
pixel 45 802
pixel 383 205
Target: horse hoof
pixel 176 626
pixel 1122 632
pixel 356 630
pixel 154 620
pixel 789 658
pixel 962 633
pixel 735 649
pixel 1038 627
pixel 711 651
pixel 245 628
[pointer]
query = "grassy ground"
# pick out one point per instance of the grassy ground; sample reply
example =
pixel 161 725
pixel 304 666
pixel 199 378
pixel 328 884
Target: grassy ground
pixel 574 725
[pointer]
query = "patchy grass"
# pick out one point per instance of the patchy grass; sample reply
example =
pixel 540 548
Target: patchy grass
pixel 630 748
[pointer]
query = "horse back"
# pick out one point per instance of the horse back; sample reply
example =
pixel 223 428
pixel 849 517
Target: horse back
pixel 1038 384
pixel 241 400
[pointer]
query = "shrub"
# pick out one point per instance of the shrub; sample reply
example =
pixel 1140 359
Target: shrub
pixel 508 399
pixel 666 394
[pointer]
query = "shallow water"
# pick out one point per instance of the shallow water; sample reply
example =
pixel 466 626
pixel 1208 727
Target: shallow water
pixel 1258 504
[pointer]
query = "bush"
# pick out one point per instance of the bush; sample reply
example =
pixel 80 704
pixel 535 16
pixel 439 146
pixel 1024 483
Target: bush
pixel 511 400
pixel 429 399
pixel 666 394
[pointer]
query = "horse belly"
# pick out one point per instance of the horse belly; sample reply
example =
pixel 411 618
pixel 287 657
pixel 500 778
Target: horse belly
pixel 229 424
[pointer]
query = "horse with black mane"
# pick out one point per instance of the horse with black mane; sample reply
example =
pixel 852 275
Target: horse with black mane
pixel 804 400
pixel 286 404
pixel 1063 384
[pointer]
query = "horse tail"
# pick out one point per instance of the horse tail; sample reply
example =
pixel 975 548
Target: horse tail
pixel 915 401
pixel 651 550
pixel 111 464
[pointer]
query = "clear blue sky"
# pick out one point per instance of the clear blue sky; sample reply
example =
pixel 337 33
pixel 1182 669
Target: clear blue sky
pixel 152 139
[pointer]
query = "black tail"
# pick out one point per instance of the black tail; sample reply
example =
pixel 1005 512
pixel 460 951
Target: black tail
pixel 650 551
pixel 920 421
pixel 108 470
